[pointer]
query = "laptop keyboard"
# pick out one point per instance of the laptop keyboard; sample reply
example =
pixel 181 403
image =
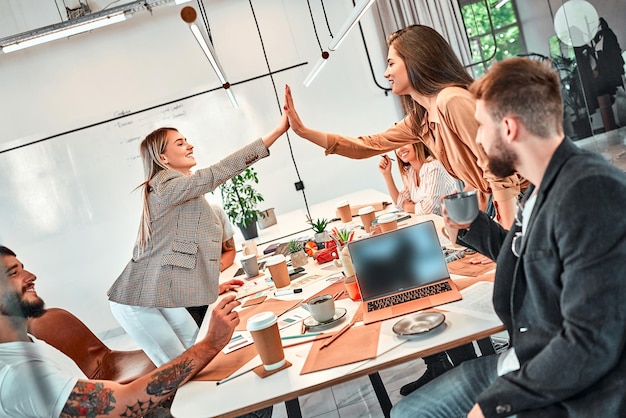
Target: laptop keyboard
pixel 422 292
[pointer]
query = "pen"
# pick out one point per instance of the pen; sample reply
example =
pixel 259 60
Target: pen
pixel 235 375
pixel 287 292
pixel 310 334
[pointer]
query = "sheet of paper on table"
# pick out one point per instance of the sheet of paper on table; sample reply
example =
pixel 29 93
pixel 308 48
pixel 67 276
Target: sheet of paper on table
pixel 477 301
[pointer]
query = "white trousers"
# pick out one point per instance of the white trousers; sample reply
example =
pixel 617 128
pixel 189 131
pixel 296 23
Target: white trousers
pixel 163 333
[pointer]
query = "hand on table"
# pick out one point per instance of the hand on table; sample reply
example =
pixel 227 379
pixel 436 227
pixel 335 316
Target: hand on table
pixel 233 284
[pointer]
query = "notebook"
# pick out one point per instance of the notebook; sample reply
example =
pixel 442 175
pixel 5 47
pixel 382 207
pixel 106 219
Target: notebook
pixel 401 271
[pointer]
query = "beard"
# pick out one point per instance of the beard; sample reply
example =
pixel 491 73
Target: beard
pixel 33 309
pixel 15 306
pixel 502 164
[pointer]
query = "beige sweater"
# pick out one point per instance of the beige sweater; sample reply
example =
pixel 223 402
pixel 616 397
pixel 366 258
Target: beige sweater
pixel 451 139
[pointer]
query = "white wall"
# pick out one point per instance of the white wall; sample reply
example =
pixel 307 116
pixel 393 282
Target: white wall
pixel 68 209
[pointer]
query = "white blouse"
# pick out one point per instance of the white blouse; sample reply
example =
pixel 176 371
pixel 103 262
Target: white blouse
pixel 435 182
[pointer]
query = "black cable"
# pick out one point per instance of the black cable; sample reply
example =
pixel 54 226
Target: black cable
pixel 129 114
pixel 113 2
pixel 295 165
pixel 205 19
pixel 330 32
pixel 369 60
pixel 59 10
pixel 313 22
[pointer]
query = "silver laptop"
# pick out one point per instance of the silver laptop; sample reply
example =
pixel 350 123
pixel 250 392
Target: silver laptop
pixel 401 271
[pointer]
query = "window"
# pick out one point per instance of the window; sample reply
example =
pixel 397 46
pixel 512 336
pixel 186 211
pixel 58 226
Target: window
pixel 493 32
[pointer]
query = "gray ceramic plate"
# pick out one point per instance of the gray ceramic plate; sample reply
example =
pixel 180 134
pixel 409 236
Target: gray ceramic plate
pixel 419 323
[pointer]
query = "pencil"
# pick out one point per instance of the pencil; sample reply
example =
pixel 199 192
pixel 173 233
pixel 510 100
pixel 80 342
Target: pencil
pixel 339 333
pixel 319 337
pixel 310 334
pixel 236 375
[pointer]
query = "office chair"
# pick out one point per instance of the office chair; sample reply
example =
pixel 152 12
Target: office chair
pixel 71 336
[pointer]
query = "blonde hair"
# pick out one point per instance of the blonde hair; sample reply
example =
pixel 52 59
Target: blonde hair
pixel 150 150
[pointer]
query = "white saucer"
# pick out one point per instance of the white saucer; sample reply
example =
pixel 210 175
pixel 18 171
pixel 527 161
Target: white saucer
pixel 313 325
pixel 419 323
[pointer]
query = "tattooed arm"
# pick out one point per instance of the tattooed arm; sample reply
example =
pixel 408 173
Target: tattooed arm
pixel 228 254
pixel 107 398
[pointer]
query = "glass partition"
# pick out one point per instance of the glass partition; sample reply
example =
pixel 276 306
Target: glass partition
pixel 587 50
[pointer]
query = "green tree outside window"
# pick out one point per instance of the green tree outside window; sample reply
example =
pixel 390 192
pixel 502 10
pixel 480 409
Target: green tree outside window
pixel 487 45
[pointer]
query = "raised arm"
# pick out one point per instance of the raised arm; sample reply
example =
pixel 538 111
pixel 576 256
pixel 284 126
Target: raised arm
pixel 316 137
pixel 280 129
pixel 103 397
pixel 384 166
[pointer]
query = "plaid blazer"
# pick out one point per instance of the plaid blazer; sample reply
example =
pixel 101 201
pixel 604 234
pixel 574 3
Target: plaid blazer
pixel 181 264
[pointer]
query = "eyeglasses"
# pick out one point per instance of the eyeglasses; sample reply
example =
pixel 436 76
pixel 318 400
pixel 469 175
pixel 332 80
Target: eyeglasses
pixel 516 243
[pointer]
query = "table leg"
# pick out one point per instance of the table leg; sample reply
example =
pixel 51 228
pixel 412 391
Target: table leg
pixel 293 408
pixel 486 346
pixel 381 394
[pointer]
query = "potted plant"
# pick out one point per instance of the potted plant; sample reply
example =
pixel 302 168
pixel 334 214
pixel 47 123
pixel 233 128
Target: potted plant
pixel 297 254
pixel 240 200
pixel 319 228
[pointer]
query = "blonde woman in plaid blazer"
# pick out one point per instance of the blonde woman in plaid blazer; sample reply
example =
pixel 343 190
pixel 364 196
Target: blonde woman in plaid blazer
pixel 176 260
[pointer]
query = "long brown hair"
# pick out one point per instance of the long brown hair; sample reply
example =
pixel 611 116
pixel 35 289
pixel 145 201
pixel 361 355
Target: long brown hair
pixel 150 150
pixel 431 65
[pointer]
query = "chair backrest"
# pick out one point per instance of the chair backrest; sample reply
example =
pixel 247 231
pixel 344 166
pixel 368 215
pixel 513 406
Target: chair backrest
pixel 70 335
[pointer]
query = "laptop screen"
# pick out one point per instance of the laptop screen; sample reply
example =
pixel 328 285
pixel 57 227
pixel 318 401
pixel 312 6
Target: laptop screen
pixel 398 260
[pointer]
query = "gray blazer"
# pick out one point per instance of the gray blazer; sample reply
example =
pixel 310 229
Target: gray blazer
pixel 180 266
pixel 562 301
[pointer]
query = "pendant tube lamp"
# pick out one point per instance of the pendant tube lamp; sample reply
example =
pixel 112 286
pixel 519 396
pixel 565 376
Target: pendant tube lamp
pixel 321 62
pixel 358 12
pixel 188 14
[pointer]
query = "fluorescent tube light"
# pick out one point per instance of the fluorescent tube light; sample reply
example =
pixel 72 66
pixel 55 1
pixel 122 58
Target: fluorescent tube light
pixel 316 69
pixel 181 1
pixel 231 97
pixel 358 12
pixel 209 52
pixel 65 32
pixel 188 14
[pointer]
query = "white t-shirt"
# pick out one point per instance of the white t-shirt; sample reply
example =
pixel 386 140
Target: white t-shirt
pixel 228 231
pixel 36 379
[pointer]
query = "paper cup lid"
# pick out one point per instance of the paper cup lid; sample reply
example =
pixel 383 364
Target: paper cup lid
pixel 365 210
pixel 342 203
pixel 275 259
pixel 261 321
pixel 388 217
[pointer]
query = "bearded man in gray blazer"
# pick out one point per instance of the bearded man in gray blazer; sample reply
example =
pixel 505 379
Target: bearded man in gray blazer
pixel 561 268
